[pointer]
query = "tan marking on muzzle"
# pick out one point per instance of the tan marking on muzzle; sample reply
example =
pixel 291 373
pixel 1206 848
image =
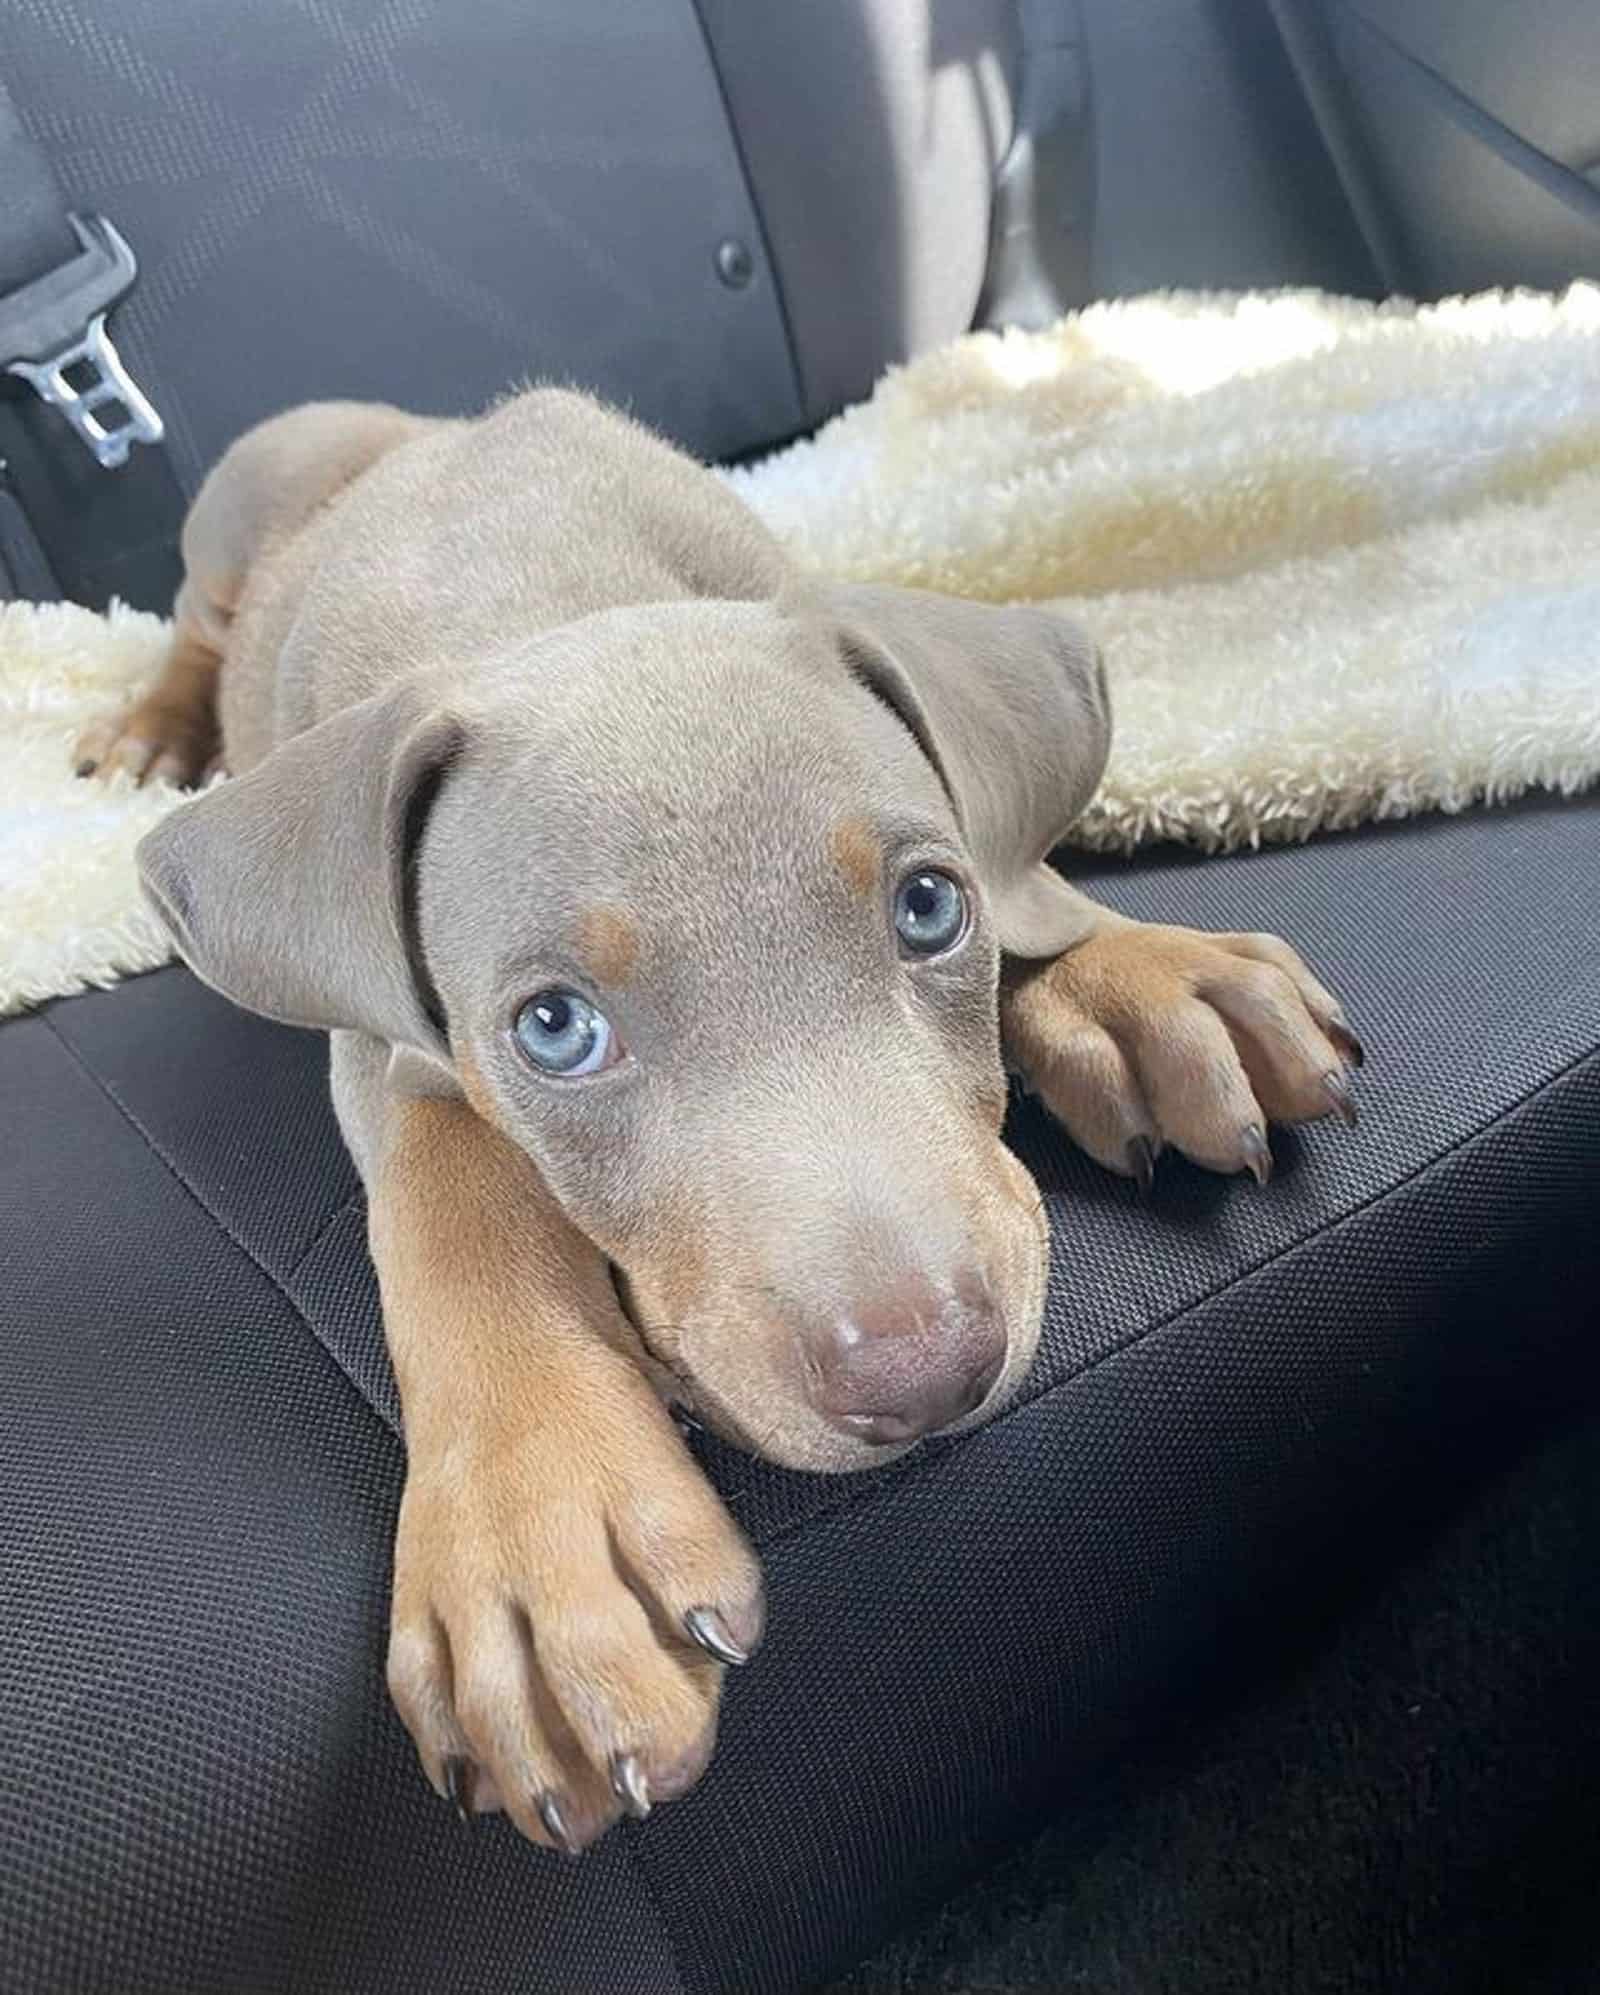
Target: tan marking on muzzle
pixel 667 1274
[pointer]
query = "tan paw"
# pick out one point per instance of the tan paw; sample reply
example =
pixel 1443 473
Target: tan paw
pixel 153 741
pixel 560 1623
pixel 1144 1036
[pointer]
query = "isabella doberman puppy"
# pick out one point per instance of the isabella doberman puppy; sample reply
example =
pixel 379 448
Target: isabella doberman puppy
pixel 675 915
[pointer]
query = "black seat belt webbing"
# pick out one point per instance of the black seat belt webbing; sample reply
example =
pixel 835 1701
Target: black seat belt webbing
pixel 34 236
pixel 104 527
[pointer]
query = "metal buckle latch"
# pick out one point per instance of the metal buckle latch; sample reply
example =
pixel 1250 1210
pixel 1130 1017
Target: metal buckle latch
pixel 53 336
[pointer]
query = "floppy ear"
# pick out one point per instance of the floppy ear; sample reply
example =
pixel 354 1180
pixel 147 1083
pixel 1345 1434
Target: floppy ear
pixel 286 888
pixel 1010 706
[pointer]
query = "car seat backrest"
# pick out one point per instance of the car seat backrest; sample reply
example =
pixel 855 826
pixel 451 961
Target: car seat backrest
pixel 729 217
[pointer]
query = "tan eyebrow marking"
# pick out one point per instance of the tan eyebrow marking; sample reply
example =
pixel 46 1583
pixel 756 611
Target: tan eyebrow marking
pixel 857 855
pixel 608 945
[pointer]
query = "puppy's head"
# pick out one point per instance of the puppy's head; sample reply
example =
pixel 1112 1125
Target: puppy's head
pixel 703 905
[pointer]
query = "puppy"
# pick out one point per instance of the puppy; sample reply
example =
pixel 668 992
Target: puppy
pixel 675 915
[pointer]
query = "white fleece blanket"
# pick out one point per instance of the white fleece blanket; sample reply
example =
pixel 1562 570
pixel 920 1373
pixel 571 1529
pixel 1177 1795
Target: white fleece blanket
pixel 1344 561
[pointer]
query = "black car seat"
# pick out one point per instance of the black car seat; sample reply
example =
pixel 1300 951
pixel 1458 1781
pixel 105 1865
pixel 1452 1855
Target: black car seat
pixel 732 217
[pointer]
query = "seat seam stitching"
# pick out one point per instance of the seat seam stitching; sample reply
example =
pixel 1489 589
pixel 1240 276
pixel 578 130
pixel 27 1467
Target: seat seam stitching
pixel 324 1228
pixel 175 1172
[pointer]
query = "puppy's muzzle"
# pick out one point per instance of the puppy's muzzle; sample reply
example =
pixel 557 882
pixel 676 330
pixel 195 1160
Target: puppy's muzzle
pixel 908 1361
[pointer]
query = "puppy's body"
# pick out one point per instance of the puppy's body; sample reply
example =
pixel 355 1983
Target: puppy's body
pixel 347 545
pixel 537 732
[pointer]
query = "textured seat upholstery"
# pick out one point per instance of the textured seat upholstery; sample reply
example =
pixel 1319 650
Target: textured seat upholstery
pixel 203 1786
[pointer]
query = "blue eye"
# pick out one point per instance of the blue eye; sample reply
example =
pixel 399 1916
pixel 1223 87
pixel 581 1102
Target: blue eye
pixel 930 913
pixel 562 1033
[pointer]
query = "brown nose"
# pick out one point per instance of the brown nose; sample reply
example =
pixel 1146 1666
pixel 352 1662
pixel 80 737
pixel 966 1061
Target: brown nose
pixel 908 1362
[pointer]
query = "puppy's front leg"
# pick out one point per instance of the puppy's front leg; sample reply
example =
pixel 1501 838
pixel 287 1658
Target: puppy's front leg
pixel 559 1556
pixel 1142 1035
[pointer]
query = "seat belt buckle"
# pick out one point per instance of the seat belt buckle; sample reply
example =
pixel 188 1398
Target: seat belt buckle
pixel 53 336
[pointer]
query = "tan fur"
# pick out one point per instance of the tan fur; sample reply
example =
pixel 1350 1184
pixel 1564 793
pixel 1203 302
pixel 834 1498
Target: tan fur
pixel 858 855
pixel 1171 1036
pixel 539 1456
pixel 608 946
pixel 675 1255
pixel 170 735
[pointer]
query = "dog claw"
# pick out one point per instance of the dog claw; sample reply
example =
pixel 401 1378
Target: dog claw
pixel 1347 1042
pixel 704 1626
pixel 1141 1155
pixel 1337 1089
pixel 458 1786
pixel 1257 1156
pixel 629 1785
pixel 556 1825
